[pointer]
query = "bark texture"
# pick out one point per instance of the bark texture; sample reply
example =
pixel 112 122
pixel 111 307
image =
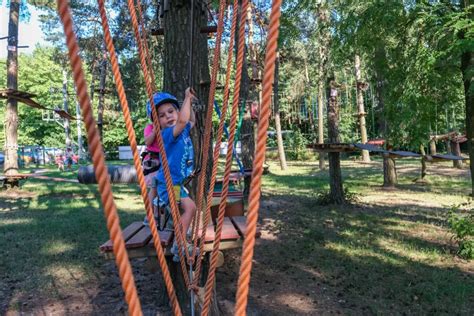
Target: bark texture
pixel 336 192
pixel 11 116
pixel 360 106
pixel 281 149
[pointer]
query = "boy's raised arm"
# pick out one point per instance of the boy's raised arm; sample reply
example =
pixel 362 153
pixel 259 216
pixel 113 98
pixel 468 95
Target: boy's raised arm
pixel 185 114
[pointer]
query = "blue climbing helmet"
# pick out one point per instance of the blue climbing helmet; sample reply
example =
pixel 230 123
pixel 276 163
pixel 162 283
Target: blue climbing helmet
pixel 160 98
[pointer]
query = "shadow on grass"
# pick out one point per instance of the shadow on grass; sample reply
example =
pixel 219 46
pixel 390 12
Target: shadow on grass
pixel 50 242
pixel 355 261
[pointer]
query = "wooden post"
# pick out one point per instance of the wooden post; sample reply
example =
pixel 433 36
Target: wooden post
pixel 11 116
pixel 335 177
pixel 281 149
pixel 433 146
pixel 360 106
pixel 323 16
pixel 457 152
pixel 467 64
pixel 100 108
pixel 423 162
pixel 67 128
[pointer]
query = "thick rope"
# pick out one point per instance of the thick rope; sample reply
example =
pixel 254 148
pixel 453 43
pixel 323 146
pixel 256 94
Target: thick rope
pixel 228 163
pixel 178 229
pixel 144 38
pixel 208 123
pixel 254 198
pixel 136 158
pixel 220 131
pixel 110 210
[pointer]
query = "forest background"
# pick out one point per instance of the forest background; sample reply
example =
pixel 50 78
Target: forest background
pixel 410 54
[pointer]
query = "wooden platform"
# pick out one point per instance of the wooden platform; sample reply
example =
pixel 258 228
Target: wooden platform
pixel 332 148
pixel 139 243
pixel 8 180
pixel 21 96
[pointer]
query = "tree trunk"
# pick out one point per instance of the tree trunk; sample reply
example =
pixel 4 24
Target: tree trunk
pixel 100 108
pixel 433 147
pixel 249 91
pixel 11 116
pixel 185 64
pixel 389 172
pixel 336 190
pixel 281 149
pixel 179 72
pixel 323 16
pixel 360 106
pixel 457 152
pixel 448 146
pixel 423 163
pixel 467 64
pixel 67 128
pixel 389 169
pixel 80 149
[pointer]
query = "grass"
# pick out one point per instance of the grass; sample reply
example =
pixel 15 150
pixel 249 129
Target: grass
pixel 387 253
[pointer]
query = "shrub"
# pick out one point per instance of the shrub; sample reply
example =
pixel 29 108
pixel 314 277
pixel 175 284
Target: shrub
pixel 461 224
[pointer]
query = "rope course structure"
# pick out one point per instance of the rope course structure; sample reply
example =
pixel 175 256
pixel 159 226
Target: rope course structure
pixel 187 258
pixel 26 98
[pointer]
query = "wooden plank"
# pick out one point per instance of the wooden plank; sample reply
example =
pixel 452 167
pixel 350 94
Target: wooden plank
pixel 140 239
pixel 128 232
pixel 236 194
pixel 240 223
pixel 224 245
pixel 401 153
pixel 210 234
pixel 166 237
pixel 340 147
pixel 370 148
pixel 229 231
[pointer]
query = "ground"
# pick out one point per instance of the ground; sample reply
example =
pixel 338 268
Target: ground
pixel 387 252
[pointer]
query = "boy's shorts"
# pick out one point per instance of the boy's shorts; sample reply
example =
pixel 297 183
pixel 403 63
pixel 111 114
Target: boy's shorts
pixel 180 192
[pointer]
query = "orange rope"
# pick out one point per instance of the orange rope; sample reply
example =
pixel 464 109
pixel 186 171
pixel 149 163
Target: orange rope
pixel 145 44
pixel 254 198
pixel 178 229
pixel 110 210
pixel 228 164
pixel 208 123
pixel 220 131
pixel 136 158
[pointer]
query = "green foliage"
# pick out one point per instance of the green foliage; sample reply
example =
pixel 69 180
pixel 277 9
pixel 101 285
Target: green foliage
pixel 461 225
pixel 295 145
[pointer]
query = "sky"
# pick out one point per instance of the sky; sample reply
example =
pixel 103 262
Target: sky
pixel 29 33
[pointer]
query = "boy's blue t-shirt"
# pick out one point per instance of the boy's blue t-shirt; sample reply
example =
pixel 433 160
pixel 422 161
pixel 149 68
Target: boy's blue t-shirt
pixel 180 154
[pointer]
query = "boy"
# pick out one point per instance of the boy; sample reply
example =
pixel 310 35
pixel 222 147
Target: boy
pixel 175 126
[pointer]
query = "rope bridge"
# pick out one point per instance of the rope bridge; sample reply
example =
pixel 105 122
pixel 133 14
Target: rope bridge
pixel 116 236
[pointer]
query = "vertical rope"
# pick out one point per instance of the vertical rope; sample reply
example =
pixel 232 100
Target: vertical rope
pixel 218 141
pixel 208 123
pixel 228 164
pixel 178 229
pixel 136 159
pixel 254 198
pixel 110 210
